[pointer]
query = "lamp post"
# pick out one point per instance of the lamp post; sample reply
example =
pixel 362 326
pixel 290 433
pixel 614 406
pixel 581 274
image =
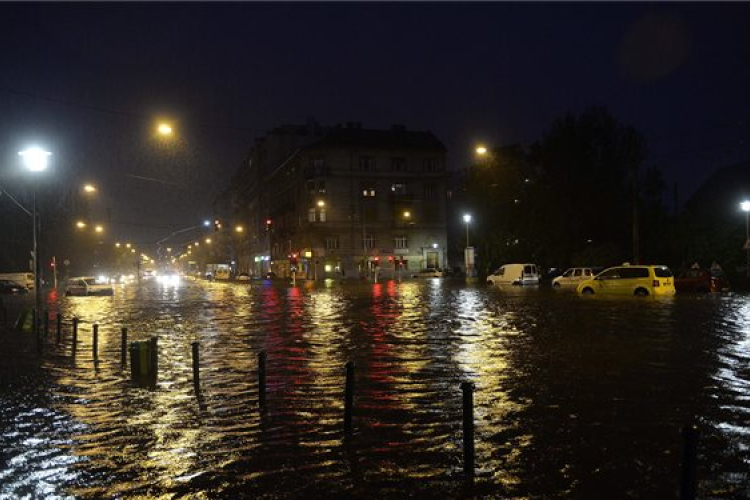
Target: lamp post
pixel 745 206
pixel 469 251
pixel 36 160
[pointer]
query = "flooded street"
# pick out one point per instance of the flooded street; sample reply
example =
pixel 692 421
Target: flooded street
pixel 574 397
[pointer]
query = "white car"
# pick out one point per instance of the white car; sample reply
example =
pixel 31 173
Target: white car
pixel 572 277
pixel 515 274
pixel 88 285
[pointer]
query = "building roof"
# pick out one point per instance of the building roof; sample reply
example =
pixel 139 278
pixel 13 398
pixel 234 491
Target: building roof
pixel 397 137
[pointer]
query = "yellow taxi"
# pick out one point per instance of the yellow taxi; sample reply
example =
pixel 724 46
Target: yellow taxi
pixel 638 280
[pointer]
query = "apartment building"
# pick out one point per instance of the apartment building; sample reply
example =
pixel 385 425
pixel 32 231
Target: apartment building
pixel 353 202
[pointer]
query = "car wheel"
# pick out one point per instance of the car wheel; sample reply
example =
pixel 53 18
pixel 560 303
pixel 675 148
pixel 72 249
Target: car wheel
pixel 490 282
pixel 556 285
pixel 641 292
pixel 68 294
pixel 587 291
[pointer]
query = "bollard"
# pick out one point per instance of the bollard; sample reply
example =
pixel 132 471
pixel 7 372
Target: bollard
pixel 95 342
pixel 196 364
pixel 59 327
pixel 262 380
pixel 124 346
pixel 468 427
pixel 75 333
pixel 349 398
pixel 689 480
pixel 154 368
pixel 134 361
pixel 46 323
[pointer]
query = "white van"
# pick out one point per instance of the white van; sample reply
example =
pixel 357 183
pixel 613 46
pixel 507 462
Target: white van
pixel 515 274
pixel 25 279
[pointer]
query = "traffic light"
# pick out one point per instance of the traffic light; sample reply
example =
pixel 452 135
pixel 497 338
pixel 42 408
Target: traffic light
pixel 217 225
pixel 293 261
pixel 269 222
pixel 376 262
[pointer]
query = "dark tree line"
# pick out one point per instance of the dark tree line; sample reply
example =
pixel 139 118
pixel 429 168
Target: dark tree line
pixel 581 195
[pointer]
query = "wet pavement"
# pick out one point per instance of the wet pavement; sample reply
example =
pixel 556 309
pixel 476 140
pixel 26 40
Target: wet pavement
pixel 574 397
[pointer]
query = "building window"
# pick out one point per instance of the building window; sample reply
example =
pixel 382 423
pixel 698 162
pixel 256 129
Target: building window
pixel 368 189
pixel 316 214
pixel 319 163
pixel 398 164
pixel 429 164
pixel 399 189
pixel 430 191
pixel 368 242
pixel 321 186
pixel 367 163
pixel 332 243
pixel 402 242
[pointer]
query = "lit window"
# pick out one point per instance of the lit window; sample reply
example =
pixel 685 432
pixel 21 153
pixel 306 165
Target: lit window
pixel 402 242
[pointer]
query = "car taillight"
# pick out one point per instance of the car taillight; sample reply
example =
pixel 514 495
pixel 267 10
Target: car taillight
pixel 656 283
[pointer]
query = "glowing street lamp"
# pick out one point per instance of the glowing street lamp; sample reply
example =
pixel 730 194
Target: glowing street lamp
pixel 164 130
pixel 89 188
pixel 467 221
pixel 99 229
pixel 36 160
pixel 80 224
pixel 239 229
pixel 480 150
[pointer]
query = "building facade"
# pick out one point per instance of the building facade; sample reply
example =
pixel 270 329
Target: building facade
pixel 353 203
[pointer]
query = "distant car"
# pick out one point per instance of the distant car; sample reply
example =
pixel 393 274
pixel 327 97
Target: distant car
pixel 638 280
pixel 515 274
pixel 429 272
pixel 243 277
pixel 701 281
pixel 572 277
pixel 88 285
pixel 12 287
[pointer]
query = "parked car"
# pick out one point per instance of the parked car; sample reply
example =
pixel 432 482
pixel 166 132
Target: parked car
pixel 701 281
pixel 429 272
pixel 24 278
pixel 243 277
pixel 12 287
pixel 572 277
pixel 639 280
pixel 515 274
pixel 88 285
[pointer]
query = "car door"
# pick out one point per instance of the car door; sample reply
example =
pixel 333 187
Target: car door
pixel 608 282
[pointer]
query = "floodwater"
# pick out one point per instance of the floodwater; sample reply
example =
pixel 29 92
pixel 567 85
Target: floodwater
pixel 575 397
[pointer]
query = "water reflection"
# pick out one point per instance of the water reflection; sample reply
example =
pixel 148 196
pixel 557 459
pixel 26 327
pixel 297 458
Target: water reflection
pixel 572 396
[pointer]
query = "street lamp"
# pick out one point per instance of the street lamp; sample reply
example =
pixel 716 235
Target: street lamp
pixel 468 252
pixel 36 160
pixel 467 220
pixel 745 206
pixel 89 188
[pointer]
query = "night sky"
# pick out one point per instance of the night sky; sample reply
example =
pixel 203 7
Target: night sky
pixel 89 81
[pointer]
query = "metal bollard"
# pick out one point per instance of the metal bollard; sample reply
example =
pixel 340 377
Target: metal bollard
pixel 95 342
pixel 124 346
pixel 196 367
pixel 262 380
pixel 154 368
pixel 689 479
pixel 468 426
pixel 75 333
pixel 349 398
pixel 59 327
